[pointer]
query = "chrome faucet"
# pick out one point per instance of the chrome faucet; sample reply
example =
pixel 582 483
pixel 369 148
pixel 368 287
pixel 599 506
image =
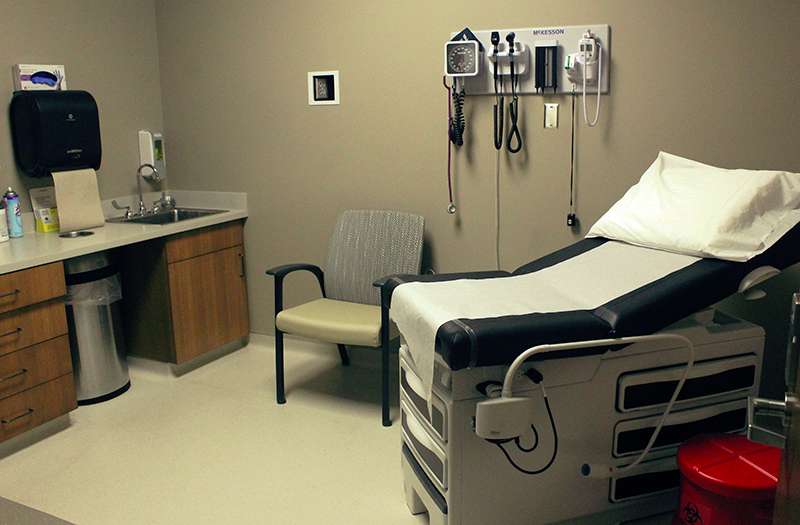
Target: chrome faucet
pixel 153 176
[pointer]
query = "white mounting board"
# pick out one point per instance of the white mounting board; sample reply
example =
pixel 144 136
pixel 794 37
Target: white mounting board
pixel 567 38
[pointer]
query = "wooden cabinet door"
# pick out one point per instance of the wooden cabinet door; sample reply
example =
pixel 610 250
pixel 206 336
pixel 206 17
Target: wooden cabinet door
pixel 208 300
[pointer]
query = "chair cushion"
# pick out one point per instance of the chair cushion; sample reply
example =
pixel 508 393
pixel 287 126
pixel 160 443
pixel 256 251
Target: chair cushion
pixel 333 321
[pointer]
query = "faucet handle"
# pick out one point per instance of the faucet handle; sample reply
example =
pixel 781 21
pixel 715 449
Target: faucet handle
pixel 117 206
pixel 166 202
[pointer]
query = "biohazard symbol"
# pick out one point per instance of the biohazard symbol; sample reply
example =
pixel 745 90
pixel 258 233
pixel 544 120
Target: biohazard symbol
pixel 691 515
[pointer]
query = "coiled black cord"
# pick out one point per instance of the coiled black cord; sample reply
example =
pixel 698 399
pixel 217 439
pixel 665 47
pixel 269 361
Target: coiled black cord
pixel 513 114
pixel 458 122
pixel 535 441
pixel 516 440
pixel 498 109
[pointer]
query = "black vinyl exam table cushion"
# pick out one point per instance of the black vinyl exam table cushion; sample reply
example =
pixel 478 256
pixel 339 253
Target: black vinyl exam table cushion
pixel 491 341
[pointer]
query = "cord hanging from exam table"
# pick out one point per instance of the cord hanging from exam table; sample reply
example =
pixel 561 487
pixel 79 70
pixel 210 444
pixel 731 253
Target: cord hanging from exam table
pixel 553 456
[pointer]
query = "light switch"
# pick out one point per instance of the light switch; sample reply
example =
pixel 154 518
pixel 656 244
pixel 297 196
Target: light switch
pixel 551 115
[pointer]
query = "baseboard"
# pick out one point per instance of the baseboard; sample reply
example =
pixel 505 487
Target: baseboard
pixel 162 369
pixel 34 435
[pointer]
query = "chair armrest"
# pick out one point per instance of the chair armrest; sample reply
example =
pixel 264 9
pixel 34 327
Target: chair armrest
pixel 285 269
pixel 279 272
pixel 388 283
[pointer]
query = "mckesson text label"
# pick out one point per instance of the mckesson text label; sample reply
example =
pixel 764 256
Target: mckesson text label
pixel 549 31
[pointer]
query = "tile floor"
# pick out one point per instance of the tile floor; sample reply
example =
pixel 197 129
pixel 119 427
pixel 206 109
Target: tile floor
pixel 213 447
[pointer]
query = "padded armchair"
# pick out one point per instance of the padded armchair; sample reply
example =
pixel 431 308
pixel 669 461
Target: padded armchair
pixel 365 246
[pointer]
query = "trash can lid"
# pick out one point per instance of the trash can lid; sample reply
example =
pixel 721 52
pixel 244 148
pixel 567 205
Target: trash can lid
pixel 731 466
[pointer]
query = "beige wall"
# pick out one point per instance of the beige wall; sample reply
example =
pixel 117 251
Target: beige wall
pixel 704 79
pixel 109 48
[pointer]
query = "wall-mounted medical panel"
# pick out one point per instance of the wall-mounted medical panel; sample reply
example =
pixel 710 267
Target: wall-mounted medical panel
pixel 565 39
pixel 717 377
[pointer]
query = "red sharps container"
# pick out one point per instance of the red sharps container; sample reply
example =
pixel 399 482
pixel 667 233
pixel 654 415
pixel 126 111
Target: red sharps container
pixel 727 480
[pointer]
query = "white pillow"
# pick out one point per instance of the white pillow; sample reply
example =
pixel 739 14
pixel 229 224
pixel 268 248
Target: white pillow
pixel 683 206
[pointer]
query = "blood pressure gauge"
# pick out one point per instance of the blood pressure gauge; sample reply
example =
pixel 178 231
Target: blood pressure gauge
pixel 461 58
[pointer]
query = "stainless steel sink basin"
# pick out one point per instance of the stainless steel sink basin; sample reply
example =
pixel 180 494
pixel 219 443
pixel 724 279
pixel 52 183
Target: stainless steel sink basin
pixel 168 217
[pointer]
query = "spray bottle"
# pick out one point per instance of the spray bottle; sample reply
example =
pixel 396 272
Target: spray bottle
pixel 3 222
pixel 13 214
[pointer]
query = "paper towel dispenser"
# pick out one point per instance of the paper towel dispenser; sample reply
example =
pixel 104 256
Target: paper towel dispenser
pixel 55 131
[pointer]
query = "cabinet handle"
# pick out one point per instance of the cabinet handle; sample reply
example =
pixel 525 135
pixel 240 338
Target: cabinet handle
pixel 20 372
pixel 17 417
pixel 15 331
pixel 241 265
pixel 15 291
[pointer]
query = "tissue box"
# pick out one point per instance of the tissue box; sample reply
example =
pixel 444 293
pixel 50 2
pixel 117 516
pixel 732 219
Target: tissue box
pixel 45 212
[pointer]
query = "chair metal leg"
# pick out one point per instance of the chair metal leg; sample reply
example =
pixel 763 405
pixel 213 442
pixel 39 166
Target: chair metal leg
pixel 387 421
pixel 343 355
pixel 279 386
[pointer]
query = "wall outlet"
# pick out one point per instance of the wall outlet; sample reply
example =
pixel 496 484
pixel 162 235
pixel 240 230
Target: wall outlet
pixel 550 116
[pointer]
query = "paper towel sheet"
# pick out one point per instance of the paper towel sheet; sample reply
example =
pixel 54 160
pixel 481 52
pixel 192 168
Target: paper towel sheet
pixel 78 200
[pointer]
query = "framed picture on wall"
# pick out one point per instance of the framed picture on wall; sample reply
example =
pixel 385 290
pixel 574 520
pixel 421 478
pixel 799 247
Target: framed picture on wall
pixel 323 88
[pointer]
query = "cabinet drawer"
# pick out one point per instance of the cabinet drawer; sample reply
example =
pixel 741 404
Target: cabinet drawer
pixel 30 326
pixel 35 365
pixel 38 405
pixel 213 239
pixel 31 286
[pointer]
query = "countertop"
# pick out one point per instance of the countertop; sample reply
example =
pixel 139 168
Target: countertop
pixel 35 249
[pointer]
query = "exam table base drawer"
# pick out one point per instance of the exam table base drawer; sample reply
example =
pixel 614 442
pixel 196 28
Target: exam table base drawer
pixel 31 408
pixel 33 366
pixel 429 455
pixel 410 386
pixel 646 484
pixel 708 379
pixel 631 436
pixel 421 494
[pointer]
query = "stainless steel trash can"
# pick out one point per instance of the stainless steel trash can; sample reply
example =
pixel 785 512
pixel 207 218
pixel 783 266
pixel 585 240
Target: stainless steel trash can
pixel 95 328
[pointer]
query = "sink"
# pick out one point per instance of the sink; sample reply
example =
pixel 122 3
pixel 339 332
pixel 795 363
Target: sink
pixel 168 217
